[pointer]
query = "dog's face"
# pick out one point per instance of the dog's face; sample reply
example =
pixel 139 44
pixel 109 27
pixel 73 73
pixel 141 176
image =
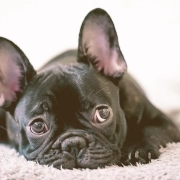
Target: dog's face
pixel 70 115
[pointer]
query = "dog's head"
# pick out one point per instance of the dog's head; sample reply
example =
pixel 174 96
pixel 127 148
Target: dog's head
pixel 70 115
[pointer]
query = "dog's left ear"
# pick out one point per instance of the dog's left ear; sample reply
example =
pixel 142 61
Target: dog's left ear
pixel 98 44
pixel 15 74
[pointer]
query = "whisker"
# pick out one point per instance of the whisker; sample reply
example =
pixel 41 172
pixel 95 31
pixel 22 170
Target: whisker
pixel 98 92
pixel 90 94
pixel 124 148
pixel 3 128
pixel 123 155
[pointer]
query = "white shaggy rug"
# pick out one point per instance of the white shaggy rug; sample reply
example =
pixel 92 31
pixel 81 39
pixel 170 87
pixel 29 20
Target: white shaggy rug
pixel 15 167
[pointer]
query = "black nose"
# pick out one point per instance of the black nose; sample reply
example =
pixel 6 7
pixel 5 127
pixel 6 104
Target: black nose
pixel 73 145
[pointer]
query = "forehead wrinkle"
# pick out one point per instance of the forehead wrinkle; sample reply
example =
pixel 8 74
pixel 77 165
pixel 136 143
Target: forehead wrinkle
pixel 34 108
pixel 43 104
pixel 72 73
pixel 63 69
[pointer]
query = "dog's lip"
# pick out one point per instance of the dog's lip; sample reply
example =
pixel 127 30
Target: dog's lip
pixel 83 159
pixel 95 159
pixel 96 154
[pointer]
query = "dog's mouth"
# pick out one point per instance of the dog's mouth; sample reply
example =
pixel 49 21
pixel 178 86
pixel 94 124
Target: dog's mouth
pixel 79 152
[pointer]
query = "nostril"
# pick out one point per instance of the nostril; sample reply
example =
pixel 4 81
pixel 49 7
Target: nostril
pixel 73 144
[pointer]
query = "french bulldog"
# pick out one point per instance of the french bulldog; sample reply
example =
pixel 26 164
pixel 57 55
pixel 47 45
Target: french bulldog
pixel 81 109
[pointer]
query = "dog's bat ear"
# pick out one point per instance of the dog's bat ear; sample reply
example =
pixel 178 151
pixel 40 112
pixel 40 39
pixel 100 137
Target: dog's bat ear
pixel 15 73
pixel 98 44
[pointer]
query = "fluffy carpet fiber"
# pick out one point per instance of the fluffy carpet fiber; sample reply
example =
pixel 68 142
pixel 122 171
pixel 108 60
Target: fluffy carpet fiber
pixel 16 167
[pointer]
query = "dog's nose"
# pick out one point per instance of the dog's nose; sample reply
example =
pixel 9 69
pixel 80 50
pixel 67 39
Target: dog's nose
pixel 73 144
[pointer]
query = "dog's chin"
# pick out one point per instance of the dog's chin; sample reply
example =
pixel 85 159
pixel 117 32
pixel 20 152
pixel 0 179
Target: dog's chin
pixel 85 158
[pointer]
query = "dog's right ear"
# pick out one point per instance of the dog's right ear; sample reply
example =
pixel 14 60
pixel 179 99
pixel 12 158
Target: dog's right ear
pixel 15 73
pixel 99 46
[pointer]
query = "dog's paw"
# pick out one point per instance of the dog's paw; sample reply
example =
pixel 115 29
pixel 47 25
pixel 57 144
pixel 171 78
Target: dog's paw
pixel 139 154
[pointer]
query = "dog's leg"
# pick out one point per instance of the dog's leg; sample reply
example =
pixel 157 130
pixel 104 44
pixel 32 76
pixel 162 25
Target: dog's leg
pixel 144 140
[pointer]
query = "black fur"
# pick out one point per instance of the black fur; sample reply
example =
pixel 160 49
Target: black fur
pixel 68 96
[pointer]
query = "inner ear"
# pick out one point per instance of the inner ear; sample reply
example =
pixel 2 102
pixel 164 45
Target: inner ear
pixel 15 73
pixel 98 44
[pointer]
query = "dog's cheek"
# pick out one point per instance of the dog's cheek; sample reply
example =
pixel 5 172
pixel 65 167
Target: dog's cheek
pixel 123 126
pixel 36 142
pixel 30 142
pixel 107 129
pixel 120 129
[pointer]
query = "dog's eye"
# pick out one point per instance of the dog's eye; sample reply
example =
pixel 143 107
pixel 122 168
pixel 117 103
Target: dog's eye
pixel 101 114
pixel 38 127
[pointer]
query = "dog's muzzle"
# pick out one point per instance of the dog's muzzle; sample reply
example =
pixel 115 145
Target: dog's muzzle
pixel 80 150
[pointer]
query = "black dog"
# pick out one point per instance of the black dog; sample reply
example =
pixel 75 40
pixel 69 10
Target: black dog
pixel 85 114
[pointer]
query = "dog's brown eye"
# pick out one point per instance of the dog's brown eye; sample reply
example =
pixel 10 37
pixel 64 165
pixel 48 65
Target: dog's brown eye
pixel 101 114
pixel 38 127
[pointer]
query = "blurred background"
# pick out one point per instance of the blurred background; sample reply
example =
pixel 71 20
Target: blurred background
pixel 148 31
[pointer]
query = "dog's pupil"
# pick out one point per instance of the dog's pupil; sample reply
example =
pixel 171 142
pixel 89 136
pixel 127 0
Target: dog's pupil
pixel 104 113
pixel 38 127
